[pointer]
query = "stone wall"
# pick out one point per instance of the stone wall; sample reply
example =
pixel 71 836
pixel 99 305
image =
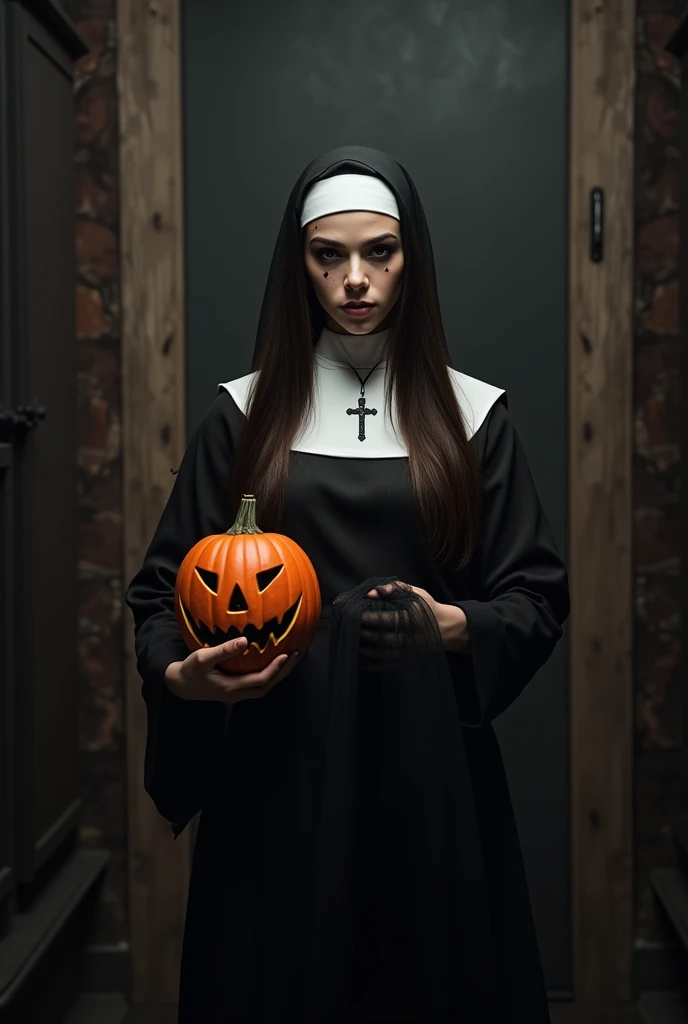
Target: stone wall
pixel 660 736
pixel 101 655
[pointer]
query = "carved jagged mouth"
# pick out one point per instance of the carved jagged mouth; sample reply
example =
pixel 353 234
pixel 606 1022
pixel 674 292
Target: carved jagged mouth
pixel 260 638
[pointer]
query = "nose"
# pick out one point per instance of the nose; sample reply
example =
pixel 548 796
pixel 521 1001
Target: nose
pixel 356 276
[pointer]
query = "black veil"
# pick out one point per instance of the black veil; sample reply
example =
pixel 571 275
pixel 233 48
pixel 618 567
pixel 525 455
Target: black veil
pixel 344 160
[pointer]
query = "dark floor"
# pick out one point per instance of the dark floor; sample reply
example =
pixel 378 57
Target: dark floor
pixel 561 1014
pixel 653 1008
pixel 151 1017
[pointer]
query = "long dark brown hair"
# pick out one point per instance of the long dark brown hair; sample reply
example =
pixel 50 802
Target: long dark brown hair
pixel 443 465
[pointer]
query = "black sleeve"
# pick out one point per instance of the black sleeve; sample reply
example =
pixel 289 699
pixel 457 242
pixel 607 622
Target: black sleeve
pixel 183 736
pixel 518 579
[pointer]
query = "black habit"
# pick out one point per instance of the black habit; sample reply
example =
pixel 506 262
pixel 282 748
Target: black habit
pixel 357 858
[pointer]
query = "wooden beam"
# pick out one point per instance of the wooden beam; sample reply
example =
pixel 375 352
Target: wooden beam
pixel 154 434
pixel 601 360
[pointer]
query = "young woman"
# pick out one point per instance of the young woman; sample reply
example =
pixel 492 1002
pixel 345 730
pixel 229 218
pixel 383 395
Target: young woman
pixel 423 484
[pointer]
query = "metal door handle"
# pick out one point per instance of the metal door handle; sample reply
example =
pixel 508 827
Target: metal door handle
pixel 31 414
pixel 596 224
pixel 17 422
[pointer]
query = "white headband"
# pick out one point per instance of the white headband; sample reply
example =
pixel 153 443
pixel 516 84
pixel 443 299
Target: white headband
pixel 348 192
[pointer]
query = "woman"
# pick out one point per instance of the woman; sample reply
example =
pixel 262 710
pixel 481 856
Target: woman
pixel 400 897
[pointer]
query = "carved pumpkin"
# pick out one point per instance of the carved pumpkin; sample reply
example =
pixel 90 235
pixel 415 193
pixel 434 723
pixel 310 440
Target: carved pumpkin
pixel 247 583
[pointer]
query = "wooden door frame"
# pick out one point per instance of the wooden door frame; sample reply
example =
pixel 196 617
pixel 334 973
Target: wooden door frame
pixel 154 433
pixel 602 100
pixel 602 75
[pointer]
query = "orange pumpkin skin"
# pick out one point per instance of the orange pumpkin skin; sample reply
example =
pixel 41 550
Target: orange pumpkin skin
pixel 254 584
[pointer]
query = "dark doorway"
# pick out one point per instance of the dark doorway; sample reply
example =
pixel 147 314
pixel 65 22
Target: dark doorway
pixel 473 98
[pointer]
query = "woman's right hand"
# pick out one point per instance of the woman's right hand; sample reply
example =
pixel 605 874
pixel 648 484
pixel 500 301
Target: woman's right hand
pixel 199 678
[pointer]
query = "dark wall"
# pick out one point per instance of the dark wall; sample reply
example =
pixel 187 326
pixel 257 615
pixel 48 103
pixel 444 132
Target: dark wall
pixel 473 99
pixel 101 654
pixel 661 797
pixel 660 726
pixel 660 739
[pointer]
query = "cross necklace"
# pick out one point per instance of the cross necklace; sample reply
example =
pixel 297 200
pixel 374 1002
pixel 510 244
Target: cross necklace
pixel 361 410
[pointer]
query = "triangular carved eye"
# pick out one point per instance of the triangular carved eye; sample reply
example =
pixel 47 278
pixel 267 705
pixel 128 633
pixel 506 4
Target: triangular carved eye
pixel 208 578
pixel 265 578
pixel 237 602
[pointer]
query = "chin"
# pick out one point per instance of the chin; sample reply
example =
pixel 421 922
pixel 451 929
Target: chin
pixel 367 326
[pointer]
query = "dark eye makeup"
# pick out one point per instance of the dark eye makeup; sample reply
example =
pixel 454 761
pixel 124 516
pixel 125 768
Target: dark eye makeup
pixel 378 252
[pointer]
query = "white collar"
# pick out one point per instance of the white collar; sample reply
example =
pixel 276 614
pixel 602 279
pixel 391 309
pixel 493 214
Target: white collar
pixel 331 430
pixel 362 351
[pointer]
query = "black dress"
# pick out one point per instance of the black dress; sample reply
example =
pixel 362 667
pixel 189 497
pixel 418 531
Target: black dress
pixel 256 772
pixel 354 518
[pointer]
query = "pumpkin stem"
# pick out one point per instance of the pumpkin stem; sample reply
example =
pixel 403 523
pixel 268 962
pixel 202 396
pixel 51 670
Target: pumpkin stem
pixel 245 521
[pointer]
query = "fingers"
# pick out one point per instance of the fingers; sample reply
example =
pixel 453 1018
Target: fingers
pixel 254 680
pixel 229 649
pixel 382 591
pixel 255 685
pixel 385 629
pixel 385 645
pixel 385 589
pixel 383 620
pixel 284 668
pixel 294 659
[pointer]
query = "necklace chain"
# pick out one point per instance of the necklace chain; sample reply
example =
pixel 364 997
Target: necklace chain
pixel 361 379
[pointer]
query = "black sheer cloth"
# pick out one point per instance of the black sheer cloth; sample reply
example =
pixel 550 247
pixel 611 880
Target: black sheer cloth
pixel 398 837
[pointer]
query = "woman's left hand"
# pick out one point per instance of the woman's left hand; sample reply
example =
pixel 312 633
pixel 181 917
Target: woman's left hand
pixel 451 621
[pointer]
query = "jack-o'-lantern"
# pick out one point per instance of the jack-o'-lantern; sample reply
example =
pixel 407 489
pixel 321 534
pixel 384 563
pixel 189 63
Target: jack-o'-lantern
pixel 247 583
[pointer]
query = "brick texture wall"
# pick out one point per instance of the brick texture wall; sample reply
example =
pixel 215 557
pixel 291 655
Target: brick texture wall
pixel 660 734
pixel 100 457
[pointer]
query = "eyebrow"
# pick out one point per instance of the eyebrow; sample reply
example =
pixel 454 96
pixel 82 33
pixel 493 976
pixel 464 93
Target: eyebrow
pixel 388 236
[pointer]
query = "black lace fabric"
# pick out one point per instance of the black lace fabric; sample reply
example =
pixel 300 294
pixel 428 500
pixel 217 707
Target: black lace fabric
pixel 398 838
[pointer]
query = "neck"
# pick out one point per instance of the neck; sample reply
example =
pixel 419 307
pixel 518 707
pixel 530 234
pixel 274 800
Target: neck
pixel 360 350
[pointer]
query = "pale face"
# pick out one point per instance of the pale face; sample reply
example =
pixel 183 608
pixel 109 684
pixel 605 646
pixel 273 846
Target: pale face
pixel 355 257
